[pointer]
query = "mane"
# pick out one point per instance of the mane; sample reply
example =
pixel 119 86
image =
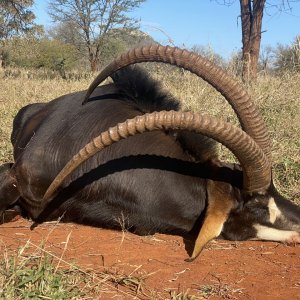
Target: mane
pixel 136 85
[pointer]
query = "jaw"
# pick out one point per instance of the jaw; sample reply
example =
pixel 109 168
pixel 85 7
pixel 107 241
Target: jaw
pixel 276 235
pixel 269 218
pixel 285 222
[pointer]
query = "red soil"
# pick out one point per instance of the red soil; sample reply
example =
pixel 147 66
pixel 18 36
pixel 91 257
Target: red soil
pixel 231 270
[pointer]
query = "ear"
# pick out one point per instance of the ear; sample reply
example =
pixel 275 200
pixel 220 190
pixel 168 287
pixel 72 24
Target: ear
pixel 220 202
pixel 9 193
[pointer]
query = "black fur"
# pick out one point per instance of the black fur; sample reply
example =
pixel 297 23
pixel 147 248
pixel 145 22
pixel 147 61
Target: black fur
pixel 137 86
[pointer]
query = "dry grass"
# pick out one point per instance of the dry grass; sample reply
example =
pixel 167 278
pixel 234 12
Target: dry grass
pixel 205 291
pixel 222 290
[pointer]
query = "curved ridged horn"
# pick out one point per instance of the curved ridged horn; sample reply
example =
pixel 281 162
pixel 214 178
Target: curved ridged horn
pixel 247 113
pixel 256 167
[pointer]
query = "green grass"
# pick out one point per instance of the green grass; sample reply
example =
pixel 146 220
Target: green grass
pixel 34 273
pixel 31 274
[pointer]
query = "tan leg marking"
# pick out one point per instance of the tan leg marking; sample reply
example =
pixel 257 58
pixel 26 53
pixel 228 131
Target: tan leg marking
pixel 220 202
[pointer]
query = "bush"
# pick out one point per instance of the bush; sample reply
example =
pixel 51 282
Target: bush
pixel 40 53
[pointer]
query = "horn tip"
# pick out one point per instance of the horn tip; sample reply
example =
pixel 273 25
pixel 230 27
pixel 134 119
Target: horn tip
pixel 190 259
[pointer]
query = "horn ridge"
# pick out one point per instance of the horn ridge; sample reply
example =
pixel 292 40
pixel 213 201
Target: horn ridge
pixel 247 113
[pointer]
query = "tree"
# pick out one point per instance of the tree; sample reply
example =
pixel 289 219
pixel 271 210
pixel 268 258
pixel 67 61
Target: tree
pixel 251 16
pixel 118 41
pixel 68 33
pixel 287 58
pixel 251 19
pixel 15 18
pixel 209 53
pixel 94 20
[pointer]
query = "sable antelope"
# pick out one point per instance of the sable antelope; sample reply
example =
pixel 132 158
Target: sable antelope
pixel 125 150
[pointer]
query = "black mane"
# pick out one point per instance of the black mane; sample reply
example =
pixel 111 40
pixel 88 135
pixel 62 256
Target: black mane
pixel 137 85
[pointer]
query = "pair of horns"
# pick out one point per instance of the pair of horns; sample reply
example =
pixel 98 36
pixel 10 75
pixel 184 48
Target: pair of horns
pixel 246 111
pixel 251 145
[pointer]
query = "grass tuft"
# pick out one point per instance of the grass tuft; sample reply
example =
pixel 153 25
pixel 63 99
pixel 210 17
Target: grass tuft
pixel 26 275
pixel 32 272
pixel 222 290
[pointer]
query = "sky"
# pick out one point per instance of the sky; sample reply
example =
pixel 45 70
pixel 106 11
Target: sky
pixel 186 23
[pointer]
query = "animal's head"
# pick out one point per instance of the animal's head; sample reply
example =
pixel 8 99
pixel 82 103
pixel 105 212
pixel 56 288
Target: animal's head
pixel 253 210
pixel 9 193
pixel 267 216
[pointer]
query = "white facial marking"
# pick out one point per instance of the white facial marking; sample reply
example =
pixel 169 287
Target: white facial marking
pixel 273 210
pixel 272 234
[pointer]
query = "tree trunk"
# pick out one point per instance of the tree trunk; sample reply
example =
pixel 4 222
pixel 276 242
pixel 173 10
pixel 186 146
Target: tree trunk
pixel 251 15
pixel 1 57
pixel 93 59
pixel 93 64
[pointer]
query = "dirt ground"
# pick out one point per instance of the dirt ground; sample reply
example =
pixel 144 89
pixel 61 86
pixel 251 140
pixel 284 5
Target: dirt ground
pixel 230 270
